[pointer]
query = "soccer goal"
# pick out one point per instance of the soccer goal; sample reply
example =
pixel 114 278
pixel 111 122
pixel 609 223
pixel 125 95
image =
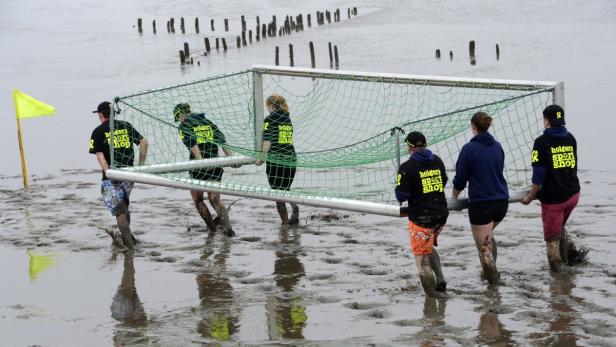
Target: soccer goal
pixel 349 129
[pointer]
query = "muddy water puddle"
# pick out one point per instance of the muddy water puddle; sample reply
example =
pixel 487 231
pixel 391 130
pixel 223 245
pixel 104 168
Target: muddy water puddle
pixel 336 279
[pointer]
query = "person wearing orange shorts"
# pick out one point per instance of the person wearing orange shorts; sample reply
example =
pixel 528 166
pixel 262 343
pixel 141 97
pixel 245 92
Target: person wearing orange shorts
pixel 420 181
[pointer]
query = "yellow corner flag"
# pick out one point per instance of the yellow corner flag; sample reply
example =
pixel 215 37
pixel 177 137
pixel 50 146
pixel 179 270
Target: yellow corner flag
pixel 28 107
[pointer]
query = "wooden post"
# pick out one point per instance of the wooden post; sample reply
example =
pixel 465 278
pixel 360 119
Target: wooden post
pixel 438 54
pixel 191 61
pixel 250 37
pixel 355 11
pixel 312 62
pixel 154 26
pixel 263 31
pixel 471 52
pixel 258 33
pixel 182 28
pixel 186 50
pixel 24 171
pixel 497 52
pixel 336 57
pixel 331 56
pixel 349 13
pixel 291 64
pixel 172 25
pixel 276 60
pixel 139 27
pixel 329 16
pixel 451 55
pixel 309 21
pixel 238 40
pixel 182 57
pixel 224 44
pixel 207 45
pixel 197 25
pixel 217 46
pixel 226 24
pixel 274 25
pixel 212 24
pixel 168 27
pixel 243 24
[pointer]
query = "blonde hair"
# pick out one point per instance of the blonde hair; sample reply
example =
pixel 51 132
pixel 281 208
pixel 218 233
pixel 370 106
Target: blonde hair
pixel 278 102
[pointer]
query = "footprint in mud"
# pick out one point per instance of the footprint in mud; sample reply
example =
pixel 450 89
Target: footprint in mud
pixel 318 277
pixel 362 306
pixel 328 299
pixel 408 322
pixel 250 239
pixel 378 314
pixel 350 241
pixel 373 272
pixel 332 260
pixel 164 259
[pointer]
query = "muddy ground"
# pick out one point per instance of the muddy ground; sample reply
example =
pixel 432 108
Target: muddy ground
pixel 336 279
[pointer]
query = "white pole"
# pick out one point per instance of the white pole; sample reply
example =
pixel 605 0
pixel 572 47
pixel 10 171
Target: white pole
pixel 257 93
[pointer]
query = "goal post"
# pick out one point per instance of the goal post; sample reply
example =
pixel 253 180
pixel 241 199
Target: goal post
pixel 345 131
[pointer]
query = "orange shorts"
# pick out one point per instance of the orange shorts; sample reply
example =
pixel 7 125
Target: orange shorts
pixel 421 239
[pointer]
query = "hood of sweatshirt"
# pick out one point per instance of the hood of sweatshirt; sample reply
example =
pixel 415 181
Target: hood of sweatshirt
pixel 424 156
pixel 484 138
pixel 558 132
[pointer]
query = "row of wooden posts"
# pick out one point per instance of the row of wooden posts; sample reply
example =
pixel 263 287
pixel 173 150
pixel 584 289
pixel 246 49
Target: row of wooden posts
pixel 291 24
pixel 333 56
pixel 471 53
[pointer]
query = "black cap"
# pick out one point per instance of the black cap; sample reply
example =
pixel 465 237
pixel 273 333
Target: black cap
pixel 416 139
pixel 180 108
pixel 555 115
pixel 104 108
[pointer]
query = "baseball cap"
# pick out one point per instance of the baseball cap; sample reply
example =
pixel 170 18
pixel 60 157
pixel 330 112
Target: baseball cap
pixel 104 108
pixel 180 108
pixel 416 139
pixel 555 114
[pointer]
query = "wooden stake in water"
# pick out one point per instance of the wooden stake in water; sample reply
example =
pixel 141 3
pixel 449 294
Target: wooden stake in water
pixel 258 33
pixel 451 55
pixel 217 46
pixel 243 37
pixel 212 24
pixel 312 62
pixel 309 21
pixel 182 28
pixel 471 52
pixel 331 56
pixel 197 25
pixel 336 57
pixel 438 54
pixel 224 44
pixel 497 52
pixel 139 28
pixel 154 26
pixel 291 55
pixel 207 45
pixel 238 40
pixel 186 50
pixel 182 57
pixel 276 60
pixel 24 172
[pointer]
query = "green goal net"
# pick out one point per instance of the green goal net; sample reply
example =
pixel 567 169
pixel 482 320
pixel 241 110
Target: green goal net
pixel 348 128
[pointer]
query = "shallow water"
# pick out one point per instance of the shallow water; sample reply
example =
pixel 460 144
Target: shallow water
pixel 337 279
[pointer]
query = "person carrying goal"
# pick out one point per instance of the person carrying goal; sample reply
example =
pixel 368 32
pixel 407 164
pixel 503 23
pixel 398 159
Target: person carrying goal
pixel 555 182
pixel 202 137
pixel 420 181
pixel 278 152
pixel 116 194
pixel 481 163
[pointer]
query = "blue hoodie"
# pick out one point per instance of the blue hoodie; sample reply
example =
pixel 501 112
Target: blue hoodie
pixel 481 163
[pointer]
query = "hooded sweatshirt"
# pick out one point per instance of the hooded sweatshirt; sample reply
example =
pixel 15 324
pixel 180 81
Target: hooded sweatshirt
pixel 420 181
pixel 480 164
pixel 554 160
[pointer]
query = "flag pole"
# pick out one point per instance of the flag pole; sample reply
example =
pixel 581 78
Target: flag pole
pixel 21 145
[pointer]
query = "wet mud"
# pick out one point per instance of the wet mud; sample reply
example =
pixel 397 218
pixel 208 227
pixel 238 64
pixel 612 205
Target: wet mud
pixel 337 278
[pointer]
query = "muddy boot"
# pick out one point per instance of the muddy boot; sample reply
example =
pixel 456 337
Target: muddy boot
pixel 127 237
pixel 116 239
pixel 206 216
pixel 294 215
pixel 282 211
pixel 426 277
pixel 553 252
pixel 435 265
pixel 488 263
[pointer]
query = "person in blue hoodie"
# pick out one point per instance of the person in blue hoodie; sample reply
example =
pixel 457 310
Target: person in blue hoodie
pixel 420 182
pixel 555 182
pixel 480 164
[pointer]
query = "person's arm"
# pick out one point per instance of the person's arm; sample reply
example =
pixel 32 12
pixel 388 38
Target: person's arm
pixel 196 152
pixel 539 172
pixel 102 161
pixel 143 150
pixel 265 147
pixel 531 195
pixel 461 177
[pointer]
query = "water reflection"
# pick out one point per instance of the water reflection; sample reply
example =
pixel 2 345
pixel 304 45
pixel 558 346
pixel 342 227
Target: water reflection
pixel 219 317
pixel 564 315
pixel 433 318
pixel 287 315
pixel 127 309
pixel 491 330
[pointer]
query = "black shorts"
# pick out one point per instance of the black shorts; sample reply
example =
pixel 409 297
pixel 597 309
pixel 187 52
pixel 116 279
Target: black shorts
pixel 207 175
pixel 279 177
pixel 485 212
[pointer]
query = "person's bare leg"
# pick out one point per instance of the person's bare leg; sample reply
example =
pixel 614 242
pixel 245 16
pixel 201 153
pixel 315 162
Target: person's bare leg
pixel 127 237
pixel 553 252
pixel 222 213
pixel 203 210
pixel 483 240
pixel 435 264
pixel 282 211
pixel 426 277
pixel 294 214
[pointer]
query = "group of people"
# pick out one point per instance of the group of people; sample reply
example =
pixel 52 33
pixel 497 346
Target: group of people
pixel 480 165
pixel 202 138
